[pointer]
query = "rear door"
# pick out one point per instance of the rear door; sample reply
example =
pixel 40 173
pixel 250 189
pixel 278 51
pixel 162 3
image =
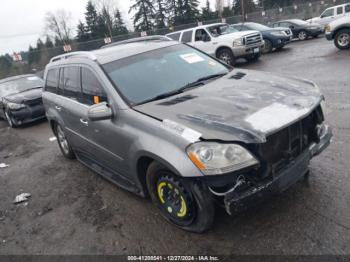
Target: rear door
pixel 73 113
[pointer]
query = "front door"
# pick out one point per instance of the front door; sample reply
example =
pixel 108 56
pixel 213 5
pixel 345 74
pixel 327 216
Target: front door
pixel 106 136
pixel 203 41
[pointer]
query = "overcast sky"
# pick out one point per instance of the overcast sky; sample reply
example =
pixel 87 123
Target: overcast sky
pixel 22 21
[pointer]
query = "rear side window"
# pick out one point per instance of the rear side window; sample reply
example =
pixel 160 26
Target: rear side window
pixel 347 9
pixel 92 90
pixel 187 37
pixel 340 10
pixel 52 81
pixel 71 79
pixel 175 36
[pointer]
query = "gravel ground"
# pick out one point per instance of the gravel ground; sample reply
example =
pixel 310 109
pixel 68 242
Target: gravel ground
pixel 74 211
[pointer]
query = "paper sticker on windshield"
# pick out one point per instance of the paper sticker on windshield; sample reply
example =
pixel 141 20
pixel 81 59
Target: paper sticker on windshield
pixel 187 133
pixel 32 78
pixel 192 58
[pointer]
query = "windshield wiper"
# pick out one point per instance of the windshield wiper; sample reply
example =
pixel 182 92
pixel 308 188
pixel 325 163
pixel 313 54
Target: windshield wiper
pixel 187 87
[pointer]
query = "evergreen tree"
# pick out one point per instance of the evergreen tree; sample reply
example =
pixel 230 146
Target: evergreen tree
pixel 48 42
pixel 144 16
pixel 91 17
pixel 227 12
pixel 249 6
pixel 207 14
pixel 190 11
pixel 119 27
pixel 83 34
pixel 160 15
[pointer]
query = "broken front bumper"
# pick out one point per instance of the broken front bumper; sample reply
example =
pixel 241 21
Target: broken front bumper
pixel 236 202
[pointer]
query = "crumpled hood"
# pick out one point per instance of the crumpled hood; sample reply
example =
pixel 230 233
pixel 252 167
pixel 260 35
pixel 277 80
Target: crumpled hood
pixel 243 106
pixel 24 97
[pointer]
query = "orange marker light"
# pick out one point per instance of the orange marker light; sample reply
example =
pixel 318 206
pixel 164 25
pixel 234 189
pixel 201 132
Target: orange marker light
pixel 196 161
pixel 96 100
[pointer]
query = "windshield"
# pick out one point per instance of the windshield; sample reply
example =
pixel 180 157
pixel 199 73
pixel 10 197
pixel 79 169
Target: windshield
pixel 258 27
pixel 20 85
pixel 298 22
pixel 221 29
pixel 142 77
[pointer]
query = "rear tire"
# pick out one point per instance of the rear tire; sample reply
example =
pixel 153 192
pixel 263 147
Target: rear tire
pixel 188 204
pixel 63 143
pixel 226 55
pixel 342 39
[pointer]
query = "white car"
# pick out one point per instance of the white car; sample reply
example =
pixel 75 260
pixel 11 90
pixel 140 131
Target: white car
pixel 339 31
pixel 222 41
pixel 331 14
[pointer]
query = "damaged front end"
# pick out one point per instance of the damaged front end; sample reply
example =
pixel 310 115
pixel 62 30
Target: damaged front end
pixel 284 159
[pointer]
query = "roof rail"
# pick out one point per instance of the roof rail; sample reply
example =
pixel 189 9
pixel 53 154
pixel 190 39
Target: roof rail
pixel 77 54
pixel 140 39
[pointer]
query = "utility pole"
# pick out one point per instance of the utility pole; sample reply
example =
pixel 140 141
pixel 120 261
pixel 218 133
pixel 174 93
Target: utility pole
pixel 243 10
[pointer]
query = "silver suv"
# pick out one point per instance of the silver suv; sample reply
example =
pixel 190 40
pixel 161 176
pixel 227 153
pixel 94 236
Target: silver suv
pixel 164 120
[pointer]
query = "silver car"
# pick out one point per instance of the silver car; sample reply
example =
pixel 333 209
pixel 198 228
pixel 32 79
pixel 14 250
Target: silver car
pixel 164 120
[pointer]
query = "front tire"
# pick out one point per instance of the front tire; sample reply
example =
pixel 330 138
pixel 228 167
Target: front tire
pixel 267 47
pixel 342 39
pixel 188 204
pixel 302 35
pixel 9 119
pixel 227 56
pixel 63 143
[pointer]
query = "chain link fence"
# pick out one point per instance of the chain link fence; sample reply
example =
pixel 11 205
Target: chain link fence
pixel 35 62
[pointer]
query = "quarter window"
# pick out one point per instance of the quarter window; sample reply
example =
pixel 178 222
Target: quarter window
pixel 187 37
pixel 52 80
pixel 72 87
pixel 175 36
pixel 93 92
pixel 347 9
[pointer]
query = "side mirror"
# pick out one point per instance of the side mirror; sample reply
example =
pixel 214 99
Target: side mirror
pixel 100 112
pixel 291 27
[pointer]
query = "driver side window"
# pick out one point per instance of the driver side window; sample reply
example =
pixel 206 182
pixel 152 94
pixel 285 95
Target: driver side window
pixel 93 92
pixel 202 35
pixel 328 13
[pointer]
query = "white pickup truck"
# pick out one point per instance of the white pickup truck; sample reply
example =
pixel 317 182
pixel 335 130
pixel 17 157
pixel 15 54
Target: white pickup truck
pixel 222 41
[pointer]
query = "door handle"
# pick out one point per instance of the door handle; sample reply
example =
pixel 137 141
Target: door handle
pixel 84 122
pixel 58 108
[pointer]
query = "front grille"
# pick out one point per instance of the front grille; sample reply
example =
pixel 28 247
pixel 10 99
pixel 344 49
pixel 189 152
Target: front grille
pixel 286 145
pixel 34 102
pixel 253 39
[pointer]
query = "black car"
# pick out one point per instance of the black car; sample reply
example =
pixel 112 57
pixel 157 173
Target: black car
pixel 21 99
pixel 301 29
pixel 274 37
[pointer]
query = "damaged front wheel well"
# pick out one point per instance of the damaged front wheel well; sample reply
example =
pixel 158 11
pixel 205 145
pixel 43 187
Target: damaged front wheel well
pixel 142 167
pixel 53 126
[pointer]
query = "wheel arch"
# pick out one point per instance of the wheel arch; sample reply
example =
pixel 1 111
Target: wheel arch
pixel 143 162
pixel 222 48
pixel 340 29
